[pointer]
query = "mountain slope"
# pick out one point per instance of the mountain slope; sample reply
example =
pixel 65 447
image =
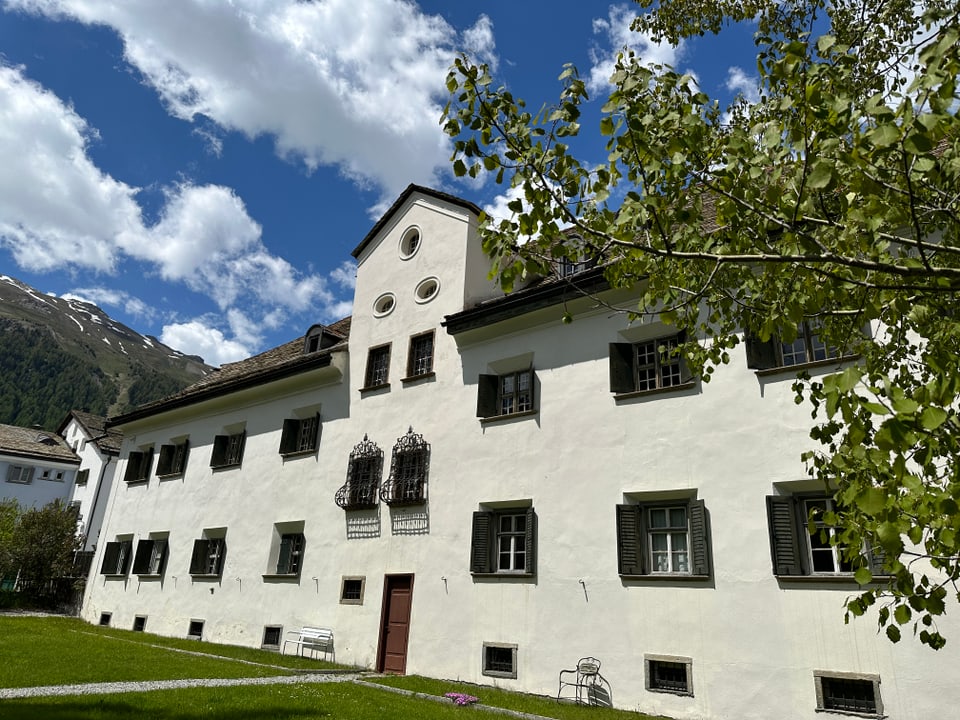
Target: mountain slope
pixel 57 355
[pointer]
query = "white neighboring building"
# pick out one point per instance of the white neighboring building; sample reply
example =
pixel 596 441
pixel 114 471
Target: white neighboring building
pixel 464 487
pixel 36 467
pixel 98 448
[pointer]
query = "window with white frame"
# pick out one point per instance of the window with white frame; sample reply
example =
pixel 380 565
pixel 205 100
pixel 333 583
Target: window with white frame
pixel 228 450
pixel 22 474
pixel 807 348
pixel 503 541
pixel 116 557
pixel 151 556
pixel 139 463
pixel 510 393
pixel 208 556
pixel 654 364
pixel 300 435
pixel 173 458
pixel 795 551
pixel 663 538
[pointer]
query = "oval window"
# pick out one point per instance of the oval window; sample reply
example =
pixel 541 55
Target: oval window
pixel 427 289
pixel 384 304
pixel 410 242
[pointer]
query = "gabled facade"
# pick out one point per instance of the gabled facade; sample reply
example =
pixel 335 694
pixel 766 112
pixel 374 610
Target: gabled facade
pixel 463 486
pixel 36 467
pixel 98 448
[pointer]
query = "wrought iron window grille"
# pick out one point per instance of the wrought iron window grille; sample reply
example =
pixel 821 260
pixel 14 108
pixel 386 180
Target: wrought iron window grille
pixel 363 477
pixel 407 484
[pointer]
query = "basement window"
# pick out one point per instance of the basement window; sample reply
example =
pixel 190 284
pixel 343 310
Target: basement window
pixel 500 660
pixel 669 674
pixel 271 637
pixel 848 693
pixel 195 630
pixel 139 623
pixel 105 619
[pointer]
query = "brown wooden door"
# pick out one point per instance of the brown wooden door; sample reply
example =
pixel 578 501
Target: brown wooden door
pixel 395 624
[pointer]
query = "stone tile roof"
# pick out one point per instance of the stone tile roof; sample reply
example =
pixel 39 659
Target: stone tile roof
pixel 287 359
pixel 34 443
pixel 107 440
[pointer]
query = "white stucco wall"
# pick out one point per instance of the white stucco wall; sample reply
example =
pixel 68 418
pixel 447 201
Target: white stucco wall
pixel 39 491
pixel 93 494
pixel 754 642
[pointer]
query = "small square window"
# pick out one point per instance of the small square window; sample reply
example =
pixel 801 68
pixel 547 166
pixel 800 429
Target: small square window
pixel 848 692
pixel 271 637
pixel 507 394
pixel 116 557
pixel 504 542
pixel 208 556
pixel 83 476
pixel 300 435
pixel 351 590
pixel 196 629
pixel 668 673
pixel 151 556
pixel 646 366
pixel 500 660
pixel 105 619
pixel 139 623
pixel 173 458
pixel 378 367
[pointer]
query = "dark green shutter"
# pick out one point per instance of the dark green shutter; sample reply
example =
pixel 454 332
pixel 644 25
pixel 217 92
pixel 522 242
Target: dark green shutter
pixel 111 558
pixel 283 557
pixel 165 461
pixel 198 559
pixel 530 542
pixel 629 547
pixel 315 440
pixel 760 355
pixel 141 563
pixel 133 466
pixel 784 539
pixel 146 463
pixel 291 433
pixel 162 565
pixel 488 390
pixel 83 476
pixel 243 444
pixel 219 457
pixel 877 557
pixel 183 458
pixel 481 542
pixel 621 368
pixel 699 545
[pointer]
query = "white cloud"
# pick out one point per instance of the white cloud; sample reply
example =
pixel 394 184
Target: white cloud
pixel 617 37
pixel 345 276
pixel 740 83
pixel 197 337
pixel 358 84
pixel 57 209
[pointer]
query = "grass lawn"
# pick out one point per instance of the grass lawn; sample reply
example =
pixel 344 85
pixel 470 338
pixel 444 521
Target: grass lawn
pixel 63 651
pixel 40 651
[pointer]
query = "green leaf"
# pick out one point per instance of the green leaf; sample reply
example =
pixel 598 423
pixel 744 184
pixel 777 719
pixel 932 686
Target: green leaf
pixel 871 501
pixel 902 614
pixel 821 177
pixel 863 576
pixel 893 632
pixel 884 135
pixel 932 417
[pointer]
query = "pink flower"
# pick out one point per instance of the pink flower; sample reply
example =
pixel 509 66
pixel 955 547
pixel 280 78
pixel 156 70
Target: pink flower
pixel 461 698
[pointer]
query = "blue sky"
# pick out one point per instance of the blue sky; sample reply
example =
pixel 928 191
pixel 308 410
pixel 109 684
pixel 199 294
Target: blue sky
pixel 203 169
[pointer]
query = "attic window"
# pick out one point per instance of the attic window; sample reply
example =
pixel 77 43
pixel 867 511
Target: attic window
pixel 318 338
pixel 427 289
pixel 410 243
pixel 46 439
pixel 384 304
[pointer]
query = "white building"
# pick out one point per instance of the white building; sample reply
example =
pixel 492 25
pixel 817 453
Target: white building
pixel 97 447
pixel 37 467
pixel 462 486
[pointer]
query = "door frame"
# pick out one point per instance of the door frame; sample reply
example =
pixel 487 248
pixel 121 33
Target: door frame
pixel 384 620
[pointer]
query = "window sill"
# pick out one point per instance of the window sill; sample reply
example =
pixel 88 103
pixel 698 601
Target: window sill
pixel 511 416
pixel 505 575
pixel 149 576
pixel 281 577
pixel 854 713
pixel 656 391
pixel 834 579
pixel 413 379
pixel 668 691
pixel 20 482
pixel 298 453
pixel 169 476
pixel 225 467
pixel 666 577
pixel 114 576
pixel 139 481
pixel 205 576
pixel 794 369
pixel 500 674
pixel 373 389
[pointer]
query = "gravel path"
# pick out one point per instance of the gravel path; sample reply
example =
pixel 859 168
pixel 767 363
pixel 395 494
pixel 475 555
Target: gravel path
pixel 125 687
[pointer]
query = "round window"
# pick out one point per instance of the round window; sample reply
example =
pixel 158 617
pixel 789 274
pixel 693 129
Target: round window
pixel 427 289
pixel 410 242
pixel 384 304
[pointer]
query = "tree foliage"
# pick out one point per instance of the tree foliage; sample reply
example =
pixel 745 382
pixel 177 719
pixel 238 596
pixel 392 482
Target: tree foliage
pixel 38 547
pixel 833 200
